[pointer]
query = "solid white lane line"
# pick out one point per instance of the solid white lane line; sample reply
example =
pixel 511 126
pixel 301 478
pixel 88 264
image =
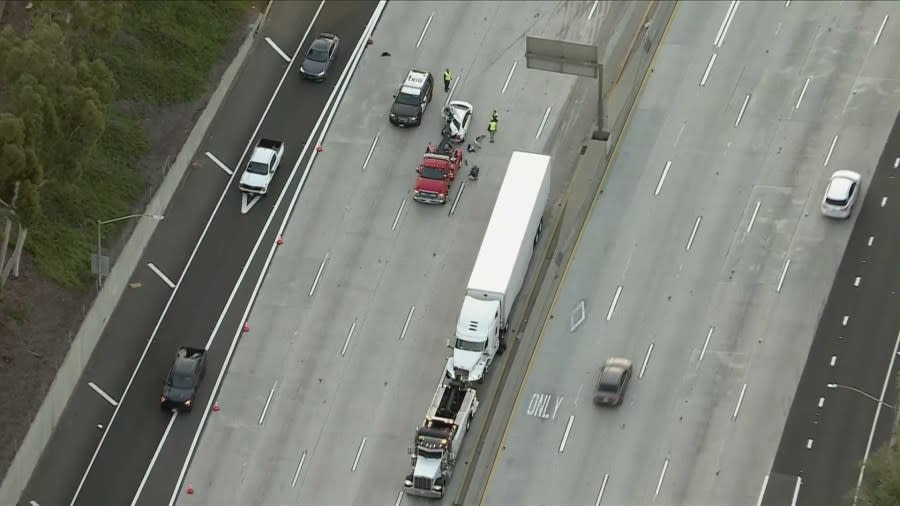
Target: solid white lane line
pixel 33 503
pixel 721 33
pixel 278 50
pixel 856 281
pixel 821 401
pixel 809 443
pixel 646 361
pixel 753 218
pixel 762 491
pixel 887 380
pixel 712 60
pixel 799 479
pixel 802 92
pixel 399 499
pixel 347 341
pixel 786 3
pixel 162 276
pixel 743 108
pixel 706 343
pixel 830 150
pixel 602 489
pixel 406 325
pixel 372 149
pixel 399 211
pixel 845 320
pixel 591 14
pixel 661 476
pixel 299 467
pixel 509 76
pixel 262 416
pixel 871 240
pixel 787 264
pixel 312 289
pixel 219 163
pixel 337 94
pixel 190 261
pixel 693 234
pixel 459 193
pixel 137 495
pixel 358 454
pixel 424 30
pixel 612 307
pixel 102 393
pixel 730 19
pixel 562 444
pixel 662 177
pixel 543 122
pixel 740 400
pixel 880 30
pixel 883 201
pixel 833 360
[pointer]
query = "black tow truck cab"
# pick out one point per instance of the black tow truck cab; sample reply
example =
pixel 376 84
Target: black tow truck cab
pixel 183 379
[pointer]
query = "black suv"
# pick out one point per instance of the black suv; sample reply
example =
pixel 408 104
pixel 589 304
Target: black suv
pixel 183 379
pixel 412 98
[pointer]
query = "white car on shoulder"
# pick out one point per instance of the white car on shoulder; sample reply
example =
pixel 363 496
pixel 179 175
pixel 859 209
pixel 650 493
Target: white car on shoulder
pixel 841 193
pixel 457 117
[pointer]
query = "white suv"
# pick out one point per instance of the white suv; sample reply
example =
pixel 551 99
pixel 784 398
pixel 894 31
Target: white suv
pixel 840 195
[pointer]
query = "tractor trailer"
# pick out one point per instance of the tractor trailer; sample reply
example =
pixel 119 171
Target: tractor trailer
pixel 499 272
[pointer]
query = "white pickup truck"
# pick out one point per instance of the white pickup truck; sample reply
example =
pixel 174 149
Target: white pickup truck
pixel 262 166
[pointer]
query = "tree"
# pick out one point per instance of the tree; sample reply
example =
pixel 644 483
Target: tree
pixel 881 483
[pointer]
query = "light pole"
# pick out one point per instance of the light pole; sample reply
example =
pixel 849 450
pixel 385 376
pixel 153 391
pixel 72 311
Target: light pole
pixel 100 223
pixel 835 386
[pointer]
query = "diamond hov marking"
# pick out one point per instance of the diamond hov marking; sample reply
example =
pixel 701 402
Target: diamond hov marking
pixel 576 317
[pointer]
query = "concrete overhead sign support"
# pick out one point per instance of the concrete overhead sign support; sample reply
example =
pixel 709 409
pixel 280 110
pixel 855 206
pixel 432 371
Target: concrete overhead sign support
pixel 573 59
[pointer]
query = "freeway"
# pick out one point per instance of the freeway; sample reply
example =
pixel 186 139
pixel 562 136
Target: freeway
pixel 348 332
pixel 705 259
pixel 830 430
pixel 105 451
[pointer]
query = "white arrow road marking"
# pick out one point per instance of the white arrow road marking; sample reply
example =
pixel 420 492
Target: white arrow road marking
pixel 248 202
pixel 278 50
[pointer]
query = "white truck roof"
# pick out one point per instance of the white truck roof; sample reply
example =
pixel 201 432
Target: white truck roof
pixel 505 233
pixel 261 155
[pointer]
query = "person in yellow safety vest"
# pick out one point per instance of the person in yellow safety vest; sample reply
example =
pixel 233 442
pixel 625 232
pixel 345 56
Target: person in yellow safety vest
pixel 492 128
pixel 447 78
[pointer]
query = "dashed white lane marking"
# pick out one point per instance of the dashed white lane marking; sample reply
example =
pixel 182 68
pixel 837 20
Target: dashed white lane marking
pixel 452 89
pixel 762 491
pixel 833 360
pixel 821 401
pixel 278 50
pixel 219 163
pixel 602 489
pixel 753 217
pixel 399 499
pixel 830 150
pixel 299 467
pixel 612 306
pixel 726 22
pixel 661 476
pixel 693 234
pixel 883 201
pixel 362 445
pixel 743 108
pixel 856 281
pixel 880 30
pixel 543 122
pixel 406 325
pixel 662 177
pixel 590 15
pixel 802 92
pixel 809 443
pixel 371 150
pixel 896 162
pixel 845 320
pixel 678 137
pixel 706 343
pixel 347 341
pixel 562 444
pixel 783 274
pixel 262 416
pixel 712 61
pixel 312 289
pixel 787 2
pixel 799 479
pixel 103 394
pixel 646 360
pixel 871 240
pixel 399 212
pixel 33 503
pixel 740 400
pixel 462 188
pixel 424 30
pixel 509 76
pixel 162 276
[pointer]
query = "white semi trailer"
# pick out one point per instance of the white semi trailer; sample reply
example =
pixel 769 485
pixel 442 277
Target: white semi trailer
pixel 499 272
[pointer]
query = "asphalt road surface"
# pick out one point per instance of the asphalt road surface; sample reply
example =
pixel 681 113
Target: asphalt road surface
pixel 142 446
pixel 349 330
pixel 831 429
pixel 706 260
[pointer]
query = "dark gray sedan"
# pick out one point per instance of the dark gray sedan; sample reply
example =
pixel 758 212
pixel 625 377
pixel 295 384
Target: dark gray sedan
pixel 319 57
pixel 613 381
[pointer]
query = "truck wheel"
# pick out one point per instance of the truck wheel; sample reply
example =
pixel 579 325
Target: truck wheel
pixel 537 235
pixel 502 347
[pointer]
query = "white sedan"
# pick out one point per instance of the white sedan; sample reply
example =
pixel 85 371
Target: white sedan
pixel 840 195
pixel 457 117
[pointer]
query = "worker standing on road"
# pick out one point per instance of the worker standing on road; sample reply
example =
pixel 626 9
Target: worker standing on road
pixel 495 116
pixel 447 78
pixel 492 128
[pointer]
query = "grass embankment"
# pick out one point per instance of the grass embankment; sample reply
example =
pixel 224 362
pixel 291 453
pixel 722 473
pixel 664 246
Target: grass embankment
pixel 162 56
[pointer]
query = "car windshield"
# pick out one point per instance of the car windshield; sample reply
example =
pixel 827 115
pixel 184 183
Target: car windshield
pixel 836 202
pixel 181 381
pixel 318 55
pixel 609 387
pixel 407 99
pixel 466 345
pixel 430 454
pixel 456 124
pixel 258 168
pixel 432 173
